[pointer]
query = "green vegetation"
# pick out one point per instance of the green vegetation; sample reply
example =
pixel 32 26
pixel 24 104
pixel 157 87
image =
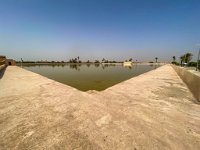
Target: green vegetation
pixel 72 60
pixel 185 60
pixel 174 58
pixel 96 62
pixel 175 63
pixel 193 64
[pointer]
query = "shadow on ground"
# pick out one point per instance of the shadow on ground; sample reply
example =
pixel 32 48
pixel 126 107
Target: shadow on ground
pixel 2 72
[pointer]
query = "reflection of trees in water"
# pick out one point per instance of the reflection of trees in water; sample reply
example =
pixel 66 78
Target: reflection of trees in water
pixel 108 65
pixel 155 66
pixel 57 65
pixel 88 64
pixel 151 65
pixel 40 65
pixel 75 66
pixel 97 64
pixel 104 66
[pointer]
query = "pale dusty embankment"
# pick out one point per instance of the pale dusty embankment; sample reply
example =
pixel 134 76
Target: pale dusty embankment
pixel 152 111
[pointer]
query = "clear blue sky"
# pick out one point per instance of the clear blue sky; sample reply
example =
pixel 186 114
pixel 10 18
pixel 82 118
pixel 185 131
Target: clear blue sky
pixel 93 29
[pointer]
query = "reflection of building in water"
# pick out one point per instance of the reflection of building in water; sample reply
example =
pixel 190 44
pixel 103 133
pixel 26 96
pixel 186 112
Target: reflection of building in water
pixel 128 67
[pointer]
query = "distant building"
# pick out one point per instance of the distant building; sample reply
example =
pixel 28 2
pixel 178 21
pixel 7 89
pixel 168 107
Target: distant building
pixel 10 62
pixel 127 63
pixel 2 60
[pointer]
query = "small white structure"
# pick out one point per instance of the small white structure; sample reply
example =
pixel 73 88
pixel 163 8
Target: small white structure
pixel 127 63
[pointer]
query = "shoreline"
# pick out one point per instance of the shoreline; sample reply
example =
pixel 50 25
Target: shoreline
pixel 142 63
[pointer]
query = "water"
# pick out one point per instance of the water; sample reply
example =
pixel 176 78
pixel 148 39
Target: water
pixel 89 76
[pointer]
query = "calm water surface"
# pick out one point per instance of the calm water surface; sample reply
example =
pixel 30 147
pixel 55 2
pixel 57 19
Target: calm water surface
pixel 89 76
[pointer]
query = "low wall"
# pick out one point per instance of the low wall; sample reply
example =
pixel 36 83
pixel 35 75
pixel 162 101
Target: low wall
pixel 2 67
pixel 191 79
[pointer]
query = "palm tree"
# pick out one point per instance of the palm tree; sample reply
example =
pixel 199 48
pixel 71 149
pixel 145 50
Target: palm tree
pixel 174 58
pixel 21 62
pixel 188 57
pixel 96 61
pixel 182 58
pixel 75 60
pixel 156 59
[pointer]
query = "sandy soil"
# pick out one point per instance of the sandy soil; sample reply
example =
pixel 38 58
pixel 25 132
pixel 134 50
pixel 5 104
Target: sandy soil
pixel 152 111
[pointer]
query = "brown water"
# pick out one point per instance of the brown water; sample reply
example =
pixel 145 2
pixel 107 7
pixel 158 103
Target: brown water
pixel 89 76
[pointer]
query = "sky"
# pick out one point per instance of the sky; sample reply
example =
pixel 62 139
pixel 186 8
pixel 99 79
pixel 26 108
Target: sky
pixel 96 29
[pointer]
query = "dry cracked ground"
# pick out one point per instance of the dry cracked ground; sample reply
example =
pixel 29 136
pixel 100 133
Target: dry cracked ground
pixel 152 111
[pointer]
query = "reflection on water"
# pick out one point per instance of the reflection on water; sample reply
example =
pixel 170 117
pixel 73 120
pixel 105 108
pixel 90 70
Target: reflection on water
pixel 75 66
pixel 89 76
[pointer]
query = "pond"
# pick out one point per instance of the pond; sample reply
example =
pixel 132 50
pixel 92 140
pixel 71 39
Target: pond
pixel 89 76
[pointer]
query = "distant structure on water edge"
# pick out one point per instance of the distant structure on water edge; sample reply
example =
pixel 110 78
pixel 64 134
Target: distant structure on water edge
pixel 127 63
pixel 5 61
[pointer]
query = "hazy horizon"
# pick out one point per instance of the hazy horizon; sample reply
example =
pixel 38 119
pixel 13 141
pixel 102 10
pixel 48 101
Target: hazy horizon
pixel 114 30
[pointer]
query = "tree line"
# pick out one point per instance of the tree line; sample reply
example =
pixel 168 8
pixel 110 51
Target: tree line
pixel 185 60
pixel 75 60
